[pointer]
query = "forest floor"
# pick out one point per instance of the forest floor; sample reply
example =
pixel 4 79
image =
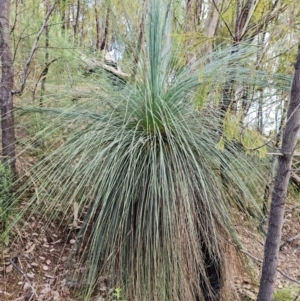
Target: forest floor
pixel 35 265
pixel 287 287
pixel 39 257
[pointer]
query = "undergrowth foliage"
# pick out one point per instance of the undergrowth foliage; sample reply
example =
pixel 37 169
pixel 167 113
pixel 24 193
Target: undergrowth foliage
pixel 6 185
pixel 144 167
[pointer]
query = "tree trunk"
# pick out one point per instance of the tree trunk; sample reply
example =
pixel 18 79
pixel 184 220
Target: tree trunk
pixel 46 69
pixel 244 15
pixel 211 23
pixel 140 39
pixel 76 21
pixel 270 183
pixel 97 26
pixel 188 27
pixel 6 97
pixel 272 244
pixel 63 8
pixel 105 34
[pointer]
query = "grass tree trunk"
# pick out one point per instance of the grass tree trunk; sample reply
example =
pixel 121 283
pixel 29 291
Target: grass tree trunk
pixel 7 82
pixel 272 244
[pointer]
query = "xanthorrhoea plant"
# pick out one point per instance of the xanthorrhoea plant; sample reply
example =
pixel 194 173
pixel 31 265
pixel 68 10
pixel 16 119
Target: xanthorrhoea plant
pixel 145 164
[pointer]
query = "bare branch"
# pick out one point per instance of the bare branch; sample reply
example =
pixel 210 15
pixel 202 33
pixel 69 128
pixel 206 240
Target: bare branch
pixel 43 74
pixel 33 49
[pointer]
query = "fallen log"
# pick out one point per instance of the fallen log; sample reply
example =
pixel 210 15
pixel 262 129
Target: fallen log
pixel 93 63
pixel 295 178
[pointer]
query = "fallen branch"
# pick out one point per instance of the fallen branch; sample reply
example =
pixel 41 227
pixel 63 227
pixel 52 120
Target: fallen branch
pixel 278 270
pixel 12 262
pixel 289 240
pixel 95 63
pixel 295 178
pixel 281 154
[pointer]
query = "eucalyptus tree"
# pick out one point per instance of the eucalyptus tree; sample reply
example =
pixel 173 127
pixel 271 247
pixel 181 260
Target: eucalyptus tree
pixel 290 136
pixel 7 86
pixel 8 89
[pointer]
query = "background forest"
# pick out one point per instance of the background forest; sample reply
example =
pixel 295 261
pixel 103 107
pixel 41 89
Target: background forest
pixel 139 149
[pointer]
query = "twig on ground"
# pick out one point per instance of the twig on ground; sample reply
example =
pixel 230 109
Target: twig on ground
pixel 297 297
pixel 278 270
pixel 289 240
pixel 292 209
pixel 12 261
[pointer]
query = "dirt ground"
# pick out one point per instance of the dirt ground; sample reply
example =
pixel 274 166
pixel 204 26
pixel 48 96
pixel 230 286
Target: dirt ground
pixel 288 272
pixel 41 258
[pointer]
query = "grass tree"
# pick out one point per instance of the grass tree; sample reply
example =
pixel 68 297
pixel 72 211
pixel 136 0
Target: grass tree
pixel 143 165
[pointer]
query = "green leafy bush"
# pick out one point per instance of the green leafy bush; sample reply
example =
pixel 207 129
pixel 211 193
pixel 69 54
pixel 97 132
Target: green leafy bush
pixel 6 182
